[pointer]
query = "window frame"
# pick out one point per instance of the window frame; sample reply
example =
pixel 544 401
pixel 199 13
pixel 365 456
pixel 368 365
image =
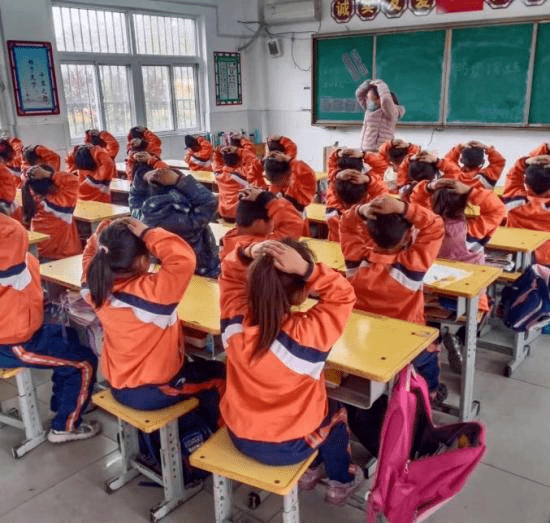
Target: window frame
pixel 134 62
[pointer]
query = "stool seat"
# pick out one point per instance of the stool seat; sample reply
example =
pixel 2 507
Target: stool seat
pixel 509 277
pixel 145 420
pixel 219 456
pixel 6 374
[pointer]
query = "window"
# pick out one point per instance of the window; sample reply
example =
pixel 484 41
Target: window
pixel 113 80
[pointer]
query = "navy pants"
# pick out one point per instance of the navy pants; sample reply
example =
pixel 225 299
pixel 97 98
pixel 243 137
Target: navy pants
pixel 426 364
pixel 202 379
pixel 74 370
pixel 331 439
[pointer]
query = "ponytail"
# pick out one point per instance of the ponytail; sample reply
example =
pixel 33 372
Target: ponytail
pixel 41 186
pixel 83 158
pixel 29 205
pixel 100 277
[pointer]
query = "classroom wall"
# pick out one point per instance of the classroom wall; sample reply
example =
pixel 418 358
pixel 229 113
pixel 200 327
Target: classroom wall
pixel 287 85
pixel 31 20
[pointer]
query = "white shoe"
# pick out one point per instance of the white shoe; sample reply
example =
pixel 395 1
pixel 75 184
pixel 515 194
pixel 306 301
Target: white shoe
pixel 85 430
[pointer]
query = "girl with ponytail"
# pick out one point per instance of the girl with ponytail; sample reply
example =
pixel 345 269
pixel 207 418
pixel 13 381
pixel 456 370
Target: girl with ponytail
pixel 276 406
pixel 142 356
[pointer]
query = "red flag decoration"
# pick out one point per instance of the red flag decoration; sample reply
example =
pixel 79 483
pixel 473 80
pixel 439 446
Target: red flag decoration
pixel 368 9
pixel 458 6
pixel 342 10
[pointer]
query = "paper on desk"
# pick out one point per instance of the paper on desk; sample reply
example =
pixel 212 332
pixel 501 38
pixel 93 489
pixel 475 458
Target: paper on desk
pixel 444 275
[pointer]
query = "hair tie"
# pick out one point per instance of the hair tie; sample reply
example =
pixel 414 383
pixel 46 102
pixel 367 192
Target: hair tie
pixel 104 248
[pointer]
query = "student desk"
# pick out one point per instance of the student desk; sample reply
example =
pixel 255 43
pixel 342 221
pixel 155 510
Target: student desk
pixel 120 190
pixel 121 168
pixel 521 242
pixel 207 178
pixel 321 176
pixel 94 213
pixel 499 191
pixel 34 239
pixel 176 164
pixel 220 230
pixel 65 273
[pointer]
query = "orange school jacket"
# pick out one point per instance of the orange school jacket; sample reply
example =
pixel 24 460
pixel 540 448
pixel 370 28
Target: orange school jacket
pixel 111 146
pixel 154 144
pixel 287 221
pixel 95 185
pixel 381 160
pixel 21 298
pixel 143 342
pixel 8 185
pixel 485 178
pixel 526 210
pixel 54 217
pixel 17 160
pixel 45 156
pixel 200 160
pixel 154 162
pixel 376 168
pixel 282 394
pixel 543 148
pixel 391 284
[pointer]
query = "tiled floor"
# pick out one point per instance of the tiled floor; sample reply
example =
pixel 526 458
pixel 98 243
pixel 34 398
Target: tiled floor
pixel 64 483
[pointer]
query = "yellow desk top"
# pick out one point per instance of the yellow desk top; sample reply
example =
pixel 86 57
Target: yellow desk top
pixel 120 185
pixel 65 272
pixel 511 239
pixel 36 237
pixel 220 230
pixel 316 212
pixel 178 164
pixel 206 177
pixel 499 191
pixel 92 212
pixel 320 176
pixel 200 306
pixel 327 252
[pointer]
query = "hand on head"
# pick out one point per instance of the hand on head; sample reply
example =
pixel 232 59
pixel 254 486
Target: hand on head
pixel 353 176
pixel 142 156
pixel 476 143
pixel 38 172
pixel 285 258
pixel 425 156
pixel 382 205
pixel 454 185
pixel 135 142
pixel 250 194
pixel 136 227
pixel 164 176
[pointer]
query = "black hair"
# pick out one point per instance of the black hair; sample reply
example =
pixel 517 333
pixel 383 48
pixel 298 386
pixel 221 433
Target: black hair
pixel 419 171
pixel 449 204
pixel 276 170
pixel 537 178
pixel 394 98
pixel 373 88
pixel 135 132
pixel 83 158
pixel 350 162
pixel 191 142
pixel 271 293
pixel 41 187
pixel 30 156
pixel 388 229
pixel 397 154
pixel 6 150
pixel 231 159
pixel 118 249
pixel 142 146
pixel 235 141
pixel 249 211
pixel 472 157
pixel 275 145
pixel 350 193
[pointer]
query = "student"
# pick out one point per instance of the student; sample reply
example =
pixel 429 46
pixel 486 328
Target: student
pixel 10 157
pixel 470 158
pixel 423 166
pixel 179 204
pixel 142 356
pixel 141 139
pixel 8 181
pixel 25 341
pixel 95 169
pixel 381 116
pixel 40 155
pixel 527 198
pixel 103 139
pixel 231 178
pixel 252 165
pixel 389 246
pixel 276 406
pixel 16 160
pixel 142 158
pixel 388 159
pixel 299 186
pixel 351 180
pixel 49 199
pixel 261 215
pixel 199 153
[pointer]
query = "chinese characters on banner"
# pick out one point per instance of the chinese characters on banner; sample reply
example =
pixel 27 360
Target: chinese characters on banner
pixel 421 7
pixel 367 10
pixel 342 10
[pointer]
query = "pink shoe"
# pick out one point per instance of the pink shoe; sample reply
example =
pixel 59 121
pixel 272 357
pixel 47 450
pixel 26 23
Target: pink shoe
pixel 311 477
pixel 339 493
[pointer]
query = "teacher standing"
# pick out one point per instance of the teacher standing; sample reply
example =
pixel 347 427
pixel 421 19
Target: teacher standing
pixel 381 113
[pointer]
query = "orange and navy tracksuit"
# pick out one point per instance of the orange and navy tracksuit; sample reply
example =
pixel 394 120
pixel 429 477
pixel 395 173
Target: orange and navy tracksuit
pixel 16 162
pixel 542 149
pixel 465 239
pixel 8 187
pixel 287 222
pixel 336 207
pixel 154 162
pixel 276 406
pixel 44 156
pixel 200 160
pixel 154 144
pixel 94 185
pixel 26 342
pixel 391 284
pixel 525 210
pixel 142 356
pixel 476 177
pixel 54 217
pixel 108 142
pixel 231 181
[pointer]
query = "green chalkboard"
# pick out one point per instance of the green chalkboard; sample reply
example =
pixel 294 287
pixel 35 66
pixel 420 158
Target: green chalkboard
pixel 340 65
pixel 488 80
pixel 540 93
pixel 412 66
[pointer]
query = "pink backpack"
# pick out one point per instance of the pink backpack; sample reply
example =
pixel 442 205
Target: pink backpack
pixel 420 467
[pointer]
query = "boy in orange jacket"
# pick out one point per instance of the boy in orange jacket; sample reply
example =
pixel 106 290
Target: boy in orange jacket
pixel 199 153
pixel 40 155
pixel 103 139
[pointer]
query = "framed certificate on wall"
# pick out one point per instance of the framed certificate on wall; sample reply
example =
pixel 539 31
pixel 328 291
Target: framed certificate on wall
pixel 33 77
pixel 227 67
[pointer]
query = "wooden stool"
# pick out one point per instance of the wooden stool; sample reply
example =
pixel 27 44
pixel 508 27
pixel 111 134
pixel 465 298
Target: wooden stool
pixel 219 456
pixel 165 420
pixel 30 417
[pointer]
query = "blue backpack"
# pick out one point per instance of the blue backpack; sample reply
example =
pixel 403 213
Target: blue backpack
pixel 527 301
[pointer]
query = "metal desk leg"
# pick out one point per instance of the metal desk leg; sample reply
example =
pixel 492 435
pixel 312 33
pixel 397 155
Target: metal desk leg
pixel 527 260
pixel 291 507
pixel 468 408
pixel 33 249
pixel 223 498
pixel 129 449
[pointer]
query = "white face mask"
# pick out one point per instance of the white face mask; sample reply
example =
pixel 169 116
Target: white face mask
pixel 372 106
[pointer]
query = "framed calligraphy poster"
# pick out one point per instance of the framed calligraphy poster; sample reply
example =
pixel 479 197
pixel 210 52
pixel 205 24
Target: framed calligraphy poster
pixel 33 77
pixel 227 68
